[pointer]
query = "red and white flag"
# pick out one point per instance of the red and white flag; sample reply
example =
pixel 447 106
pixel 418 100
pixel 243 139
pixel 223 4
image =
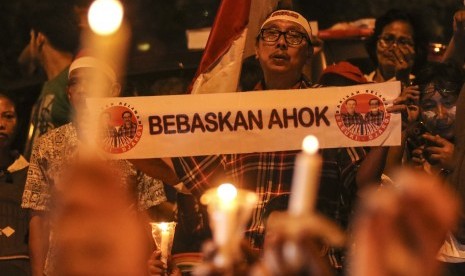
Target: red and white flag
pixel 232 38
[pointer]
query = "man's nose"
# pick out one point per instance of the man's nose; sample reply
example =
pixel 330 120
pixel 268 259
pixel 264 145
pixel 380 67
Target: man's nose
pixel 2 123
pixel 281 43
pixel 442 112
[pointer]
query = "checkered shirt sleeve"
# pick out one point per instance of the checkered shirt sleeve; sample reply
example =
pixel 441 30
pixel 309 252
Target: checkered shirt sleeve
pixel 199 173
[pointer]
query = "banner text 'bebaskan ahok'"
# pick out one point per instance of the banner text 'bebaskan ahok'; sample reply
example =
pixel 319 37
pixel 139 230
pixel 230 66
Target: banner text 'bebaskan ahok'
pixel 239 120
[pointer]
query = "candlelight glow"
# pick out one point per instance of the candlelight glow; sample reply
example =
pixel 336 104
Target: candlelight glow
pixel 163 226
pixel 105 16
pixel 227 192
pixel 310 144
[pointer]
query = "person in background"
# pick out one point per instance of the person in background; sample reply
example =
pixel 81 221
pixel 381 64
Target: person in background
pixel 14 221
pixel 57 152
pixel 54 39
pixel 397 48
pixel 440 85
pixel 430 142
pixel 455 52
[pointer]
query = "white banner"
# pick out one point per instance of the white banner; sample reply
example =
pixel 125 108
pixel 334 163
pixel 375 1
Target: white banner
pixel 258 121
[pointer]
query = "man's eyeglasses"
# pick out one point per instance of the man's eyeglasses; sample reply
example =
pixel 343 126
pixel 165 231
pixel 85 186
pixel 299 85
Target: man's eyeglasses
pixel 291 37
pixel 389 40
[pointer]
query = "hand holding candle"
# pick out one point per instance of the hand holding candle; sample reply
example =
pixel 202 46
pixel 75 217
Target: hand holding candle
pixel 163 234
pixel 306 178
pixel 229 210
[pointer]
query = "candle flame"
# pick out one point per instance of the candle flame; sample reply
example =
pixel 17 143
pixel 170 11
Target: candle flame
pixel 226 192
pixel 105 16
pixel 310 144
pixel 163 226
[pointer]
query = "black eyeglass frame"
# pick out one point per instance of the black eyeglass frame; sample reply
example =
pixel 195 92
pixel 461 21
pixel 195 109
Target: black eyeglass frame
pixel 303 36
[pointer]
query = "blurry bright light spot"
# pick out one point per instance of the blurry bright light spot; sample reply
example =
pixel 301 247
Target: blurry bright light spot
pixel 437 49
pixel 310 144
pixel 143 47
pixel 163 226
pixel 227 192
pixel 105 16
pixel 206 13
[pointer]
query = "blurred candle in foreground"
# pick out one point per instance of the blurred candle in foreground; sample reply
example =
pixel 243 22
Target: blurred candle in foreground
pixel 306 178
pixel 105 16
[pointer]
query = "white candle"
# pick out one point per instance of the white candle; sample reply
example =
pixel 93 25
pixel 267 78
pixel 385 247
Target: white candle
pixel 306 178
pixel 224 215
pixel 165 241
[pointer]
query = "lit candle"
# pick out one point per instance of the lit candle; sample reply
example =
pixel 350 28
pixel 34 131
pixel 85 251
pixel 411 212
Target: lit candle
pixel 105 16
pixel 165 241
pixel 306 178
pixel 224 216
pixel 223 207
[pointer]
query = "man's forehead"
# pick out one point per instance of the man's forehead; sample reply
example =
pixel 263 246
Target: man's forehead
pixel 284 24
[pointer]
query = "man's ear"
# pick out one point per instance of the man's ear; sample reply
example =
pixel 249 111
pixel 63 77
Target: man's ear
pixel 115 89
pixel 40 40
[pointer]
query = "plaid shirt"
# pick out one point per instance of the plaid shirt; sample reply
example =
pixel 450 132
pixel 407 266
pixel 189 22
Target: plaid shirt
pixel 349 120
pixel 376 119
pixel 269 174
pixel 130 132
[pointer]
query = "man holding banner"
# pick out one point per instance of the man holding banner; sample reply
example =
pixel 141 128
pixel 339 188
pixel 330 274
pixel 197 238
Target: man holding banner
pixel 283 47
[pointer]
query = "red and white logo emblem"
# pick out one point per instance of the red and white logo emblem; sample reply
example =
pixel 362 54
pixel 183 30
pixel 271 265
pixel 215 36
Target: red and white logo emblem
pixel 362 115
pixel 120 128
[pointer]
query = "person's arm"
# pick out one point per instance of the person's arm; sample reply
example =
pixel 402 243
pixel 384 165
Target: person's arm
pixel 398 231
pixel 456 49
pixel 38 241
pixel 372 167
pixel 157 168
pixel 407 105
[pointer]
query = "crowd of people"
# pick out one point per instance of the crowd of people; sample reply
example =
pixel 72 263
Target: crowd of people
pixel 399 210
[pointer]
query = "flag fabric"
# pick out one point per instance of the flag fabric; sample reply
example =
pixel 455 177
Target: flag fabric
pixel 231 39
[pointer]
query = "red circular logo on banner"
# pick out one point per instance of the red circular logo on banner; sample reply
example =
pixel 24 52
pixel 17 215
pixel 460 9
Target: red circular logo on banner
pixel 120 128
pixel 362 116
